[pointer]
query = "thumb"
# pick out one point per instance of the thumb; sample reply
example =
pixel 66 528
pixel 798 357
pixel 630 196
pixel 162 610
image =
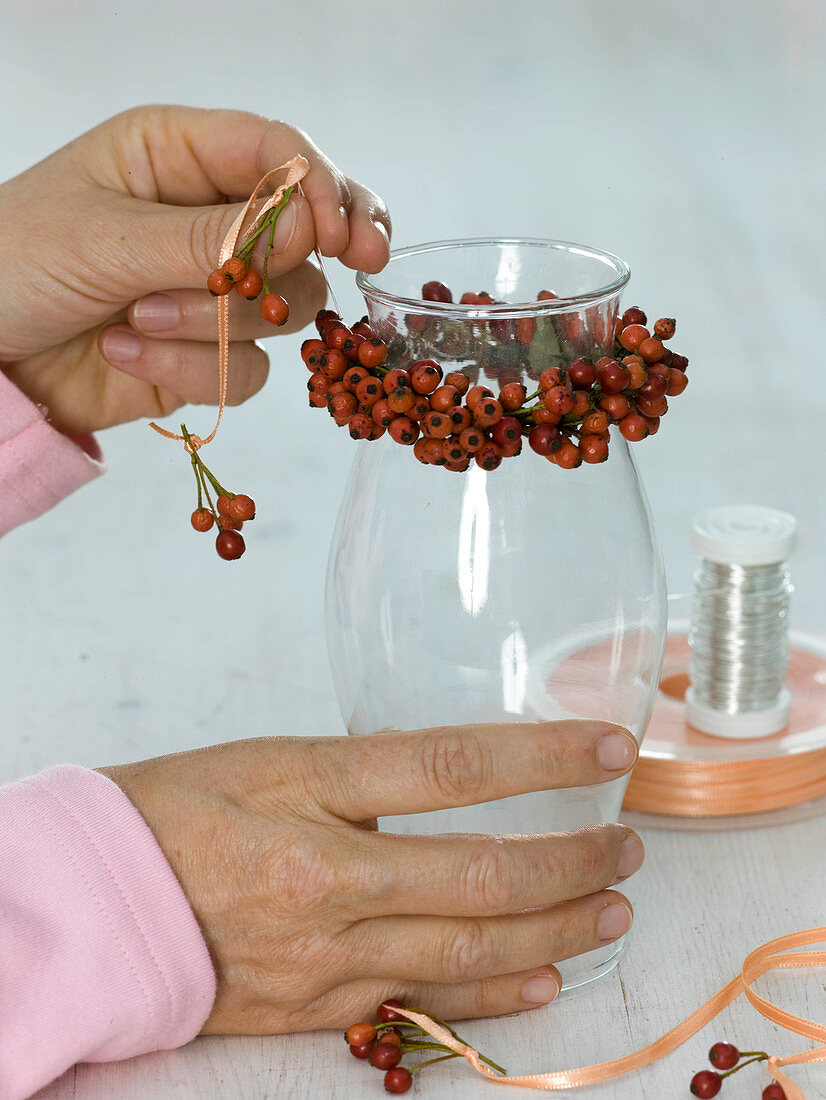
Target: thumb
pixel 177 246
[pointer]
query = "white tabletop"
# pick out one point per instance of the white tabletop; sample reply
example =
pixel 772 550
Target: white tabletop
pixel 686 138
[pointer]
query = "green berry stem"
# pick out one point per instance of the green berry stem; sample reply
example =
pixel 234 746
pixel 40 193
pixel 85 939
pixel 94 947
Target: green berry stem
pixel 199 464
pixel 212 507
pixel 216 484
pixel 458 1038
pixel 197 481
pixel 396 1024
pixel 266 265
pixel 245 251
pixel 740 1065
pixel 432 1062
pixel 417 1045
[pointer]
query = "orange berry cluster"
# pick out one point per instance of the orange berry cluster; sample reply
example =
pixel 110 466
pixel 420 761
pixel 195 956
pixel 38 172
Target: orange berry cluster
pixel 372 389
pixel 229 513
pixel 237 274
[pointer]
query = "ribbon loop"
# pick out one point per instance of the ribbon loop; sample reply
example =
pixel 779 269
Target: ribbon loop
pixel 770 956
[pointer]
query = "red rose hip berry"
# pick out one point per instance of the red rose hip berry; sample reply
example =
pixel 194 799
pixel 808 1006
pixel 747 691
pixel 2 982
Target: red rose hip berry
pixel 635 428
pixel 512 396
pixel 489 457
pixel 242 507
pixel 387 1014
pixel 634 316
pixel 218 283
pixel 724 1056
pixel 372 353
pixel 234 268
pixel 398 1080
pixel 202 519
pixel 506 431
pixel 773 1092
pixel 706 1083
pixel 613 377
pixel 404 431
pixel 567 455
pixel 250 286
pixel 274 309
pixel 632 336
pixel 582 374
pixel 230 545
pixel 542 437
pixel 558 400
pixel 593 448
pixel 385 1056
pixel 360 1033
pixel 425 376
pixel 434 291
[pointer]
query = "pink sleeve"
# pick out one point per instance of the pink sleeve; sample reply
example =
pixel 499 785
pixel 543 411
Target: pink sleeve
pixel 101 957
pixel 38 465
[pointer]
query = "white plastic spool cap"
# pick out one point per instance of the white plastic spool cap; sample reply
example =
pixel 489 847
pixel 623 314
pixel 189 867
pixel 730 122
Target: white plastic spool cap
pixel 742 534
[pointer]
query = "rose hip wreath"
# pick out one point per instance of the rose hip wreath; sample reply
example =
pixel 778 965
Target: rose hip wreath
pixel 373 387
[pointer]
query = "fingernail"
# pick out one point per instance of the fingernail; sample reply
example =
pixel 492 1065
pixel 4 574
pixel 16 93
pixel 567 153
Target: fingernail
pixel 631 855
pixel 538 991
pixel 616 751
pixel 120 346
pixel 284 228
pixel 382 228
pixel 613 921
pixel 156 313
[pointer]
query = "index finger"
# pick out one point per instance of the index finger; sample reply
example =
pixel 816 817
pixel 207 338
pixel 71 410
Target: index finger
pixel 436 769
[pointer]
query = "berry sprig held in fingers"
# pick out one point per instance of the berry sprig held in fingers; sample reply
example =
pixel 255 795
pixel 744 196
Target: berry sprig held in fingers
pixel 230 511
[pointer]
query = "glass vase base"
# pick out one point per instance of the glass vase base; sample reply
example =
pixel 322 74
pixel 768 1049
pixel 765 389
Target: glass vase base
pixel 591 966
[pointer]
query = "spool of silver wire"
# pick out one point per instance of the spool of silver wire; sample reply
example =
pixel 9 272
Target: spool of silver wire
pixel 739 632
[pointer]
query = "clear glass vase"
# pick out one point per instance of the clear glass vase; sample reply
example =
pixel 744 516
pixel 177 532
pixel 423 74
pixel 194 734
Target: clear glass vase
pixel 525 594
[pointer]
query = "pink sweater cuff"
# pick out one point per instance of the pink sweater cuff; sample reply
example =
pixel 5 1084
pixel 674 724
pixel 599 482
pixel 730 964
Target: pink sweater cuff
pixel 101 957
pixel 38 465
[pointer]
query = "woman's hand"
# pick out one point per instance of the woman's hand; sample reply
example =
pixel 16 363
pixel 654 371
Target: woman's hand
pixel 313 918
pixel 106 246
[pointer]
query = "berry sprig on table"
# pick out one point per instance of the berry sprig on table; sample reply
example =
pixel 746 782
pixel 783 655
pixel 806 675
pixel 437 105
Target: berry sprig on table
pixel 386 1042
pixel 373 387
pixel 726 1057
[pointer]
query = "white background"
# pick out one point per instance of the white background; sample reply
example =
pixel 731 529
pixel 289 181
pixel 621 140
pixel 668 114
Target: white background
pixel 688 138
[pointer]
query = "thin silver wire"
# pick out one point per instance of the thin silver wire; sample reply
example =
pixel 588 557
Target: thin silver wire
pixel 739 635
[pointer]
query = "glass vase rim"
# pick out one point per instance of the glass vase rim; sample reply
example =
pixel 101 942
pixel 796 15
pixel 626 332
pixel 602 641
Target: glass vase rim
pixel 458 311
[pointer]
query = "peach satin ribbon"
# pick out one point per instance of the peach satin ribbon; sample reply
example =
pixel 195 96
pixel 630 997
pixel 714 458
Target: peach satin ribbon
pixel 686 788
pixel 296 170
pixel 770 956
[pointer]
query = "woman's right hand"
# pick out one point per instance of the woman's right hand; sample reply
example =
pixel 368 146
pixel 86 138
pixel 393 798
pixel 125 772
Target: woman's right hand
pixel 312 917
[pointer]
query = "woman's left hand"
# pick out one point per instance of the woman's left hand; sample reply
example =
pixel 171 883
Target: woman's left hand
pixel 106 245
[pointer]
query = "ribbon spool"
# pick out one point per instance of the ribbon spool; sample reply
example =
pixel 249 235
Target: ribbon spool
pixel 739 724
